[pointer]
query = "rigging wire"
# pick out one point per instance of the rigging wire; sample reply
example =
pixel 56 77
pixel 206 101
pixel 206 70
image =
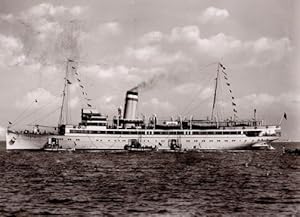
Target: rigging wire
pixel 187 108
pixel 32 113
pixel 22 113
pixel 44 117
pixel 190 107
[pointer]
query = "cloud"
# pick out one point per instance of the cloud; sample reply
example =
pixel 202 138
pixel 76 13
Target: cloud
pixel 42 29
pixel 106 71
pixel 268 49
pixel 111 28
pixel 143 54
pixel 258 99
pixel 151 37
pixel 289 99
pixel 213 15
pixel 184 43
pixel 45 18
pixel 155 105
pixel 155 55
pixel 216 46
pixel 284 102
pixel 11 50
pixel 206 93
pixel 187 88
pixel 43 97
pixel 46 9
pixel 74 101
pixel 7 17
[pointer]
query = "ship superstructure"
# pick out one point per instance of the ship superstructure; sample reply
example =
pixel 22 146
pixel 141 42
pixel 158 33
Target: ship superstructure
pixel 128 132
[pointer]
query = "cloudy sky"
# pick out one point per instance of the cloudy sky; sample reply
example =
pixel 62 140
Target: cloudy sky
pixel 173 43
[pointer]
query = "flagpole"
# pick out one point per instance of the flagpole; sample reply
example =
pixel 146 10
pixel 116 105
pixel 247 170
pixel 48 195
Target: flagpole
pixel 281 119
pixel 283 116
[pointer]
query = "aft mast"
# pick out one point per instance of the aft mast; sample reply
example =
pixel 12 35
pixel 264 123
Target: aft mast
pixel 215 94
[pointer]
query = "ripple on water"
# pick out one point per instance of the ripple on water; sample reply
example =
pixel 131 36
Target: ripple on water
pixel 81 183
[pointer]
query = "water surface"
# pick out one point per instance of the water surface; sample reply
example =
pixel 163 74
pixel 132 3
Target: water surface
pixel 141 184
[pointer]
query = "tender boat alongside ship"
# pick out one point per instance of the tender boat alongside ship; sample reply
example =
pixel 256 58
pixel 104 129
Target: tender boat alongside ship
pixel 127 132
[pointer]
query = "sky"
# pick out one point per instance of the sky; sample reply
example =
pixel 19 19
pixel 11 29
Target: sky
pixel 172 45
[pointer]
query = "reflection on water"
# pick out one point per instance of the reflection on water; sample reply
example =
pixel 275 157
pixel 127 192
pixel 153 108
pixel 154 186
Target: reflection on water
pixel 161 184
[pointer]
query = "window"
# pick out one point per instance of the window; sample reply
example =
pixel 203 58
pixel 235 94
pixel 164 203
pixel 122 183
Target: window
pixel 203 140
pixel 251 133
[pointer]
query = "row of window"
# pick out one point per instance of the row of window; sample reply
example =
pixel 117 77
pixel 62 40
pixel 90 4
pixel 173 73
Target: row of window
pixel 141 132
pixel 94 124
pixel 203 140
pixel 93 119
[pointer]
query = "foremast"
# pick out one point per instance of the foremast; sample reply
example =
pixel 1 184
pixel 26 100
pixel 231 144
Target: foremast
pixel 64 116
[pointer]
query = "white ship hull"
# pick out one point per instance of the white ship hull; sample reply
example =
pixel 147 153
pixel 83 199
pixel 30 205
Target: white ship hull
pixel 21 141
pixel 160 143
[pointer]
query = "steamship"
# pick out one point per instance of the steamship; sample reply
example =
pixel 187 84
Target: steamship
pixel 127 132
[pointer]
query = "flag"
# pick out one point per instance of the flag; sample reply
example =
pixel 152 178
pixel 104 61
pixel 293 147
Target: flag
pixel 73 67
pixel 225 78
pixel 232 97
pixel 223 67
pixel 10 122
pixel 233 104
pixel 78 80
pixel 230 91
pixel 228 84
pixel 224 72
pixel 76 73
pixel 35 100
pixel 69 82
pixel 285 116
pixel 235 110
pixel 81 86
pixel 89 105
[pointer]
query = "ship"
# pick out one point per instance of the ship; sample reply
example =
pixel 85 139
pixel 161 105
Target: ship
pixel 127 132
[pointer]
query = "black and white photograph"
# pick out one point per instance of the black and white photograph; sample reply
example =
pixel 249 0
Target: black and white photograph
pixel 149 108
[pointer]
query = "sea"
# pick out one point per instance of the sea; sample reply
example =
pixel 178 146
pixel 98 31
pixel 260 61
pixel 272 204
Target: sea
pixel 214 183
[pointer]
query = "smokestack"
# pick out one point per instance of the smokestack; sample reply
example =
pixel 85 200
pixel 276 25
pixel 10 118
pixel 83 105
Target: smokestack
pixel 131 101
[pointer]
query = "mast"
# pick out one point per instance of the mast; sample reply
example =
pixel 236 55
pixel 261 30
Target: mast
pixel 215 93
pixel 65 98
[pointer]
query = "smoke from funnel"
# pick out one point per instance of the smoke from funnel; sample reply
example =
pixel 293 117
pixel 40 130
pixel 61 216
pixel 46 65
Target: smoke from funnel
pixel 149 83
